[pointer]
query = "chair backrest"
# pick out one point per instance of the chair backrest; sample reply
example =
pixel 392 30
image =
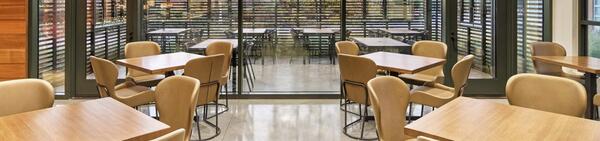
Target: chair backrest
pixel 221 47
pixel 547 93
pixel 208 70
pixel 177 135
pixel 432 49
pixel 355 72
pixel 460 74
pixel 140 49
pixel 389 100
pixel 547 49
pixel 347 47
pixel 17 96
pixel 176 99
pixel 106 74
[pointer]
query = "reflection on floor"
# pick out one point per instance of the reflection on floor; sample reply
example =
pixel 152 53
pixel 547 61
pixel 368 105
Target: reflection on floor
pixel 280 120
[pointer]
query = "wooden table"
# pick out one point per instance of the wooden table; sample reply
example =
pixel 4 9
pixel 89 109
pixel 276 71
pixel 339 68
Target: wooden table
pixel 164 33
pixel 472 119
pixel 400 31
pixel 204 44
pixel 402 63
pixel 589 65
pixel 100 119
pixel 382 43
pixel 159 64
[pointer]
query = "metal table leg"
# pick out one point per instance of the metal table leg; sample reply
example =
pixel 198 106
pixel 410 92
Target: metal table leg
pixel 590 86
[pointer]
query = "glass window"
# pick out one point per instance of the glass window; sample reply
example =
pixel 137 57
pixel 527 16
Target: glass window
pixel 51 54
pixel 530 28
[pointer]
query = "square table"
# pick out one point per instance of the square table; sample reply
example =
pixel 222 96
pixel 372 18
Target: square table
pixel 382 43
pixel 400 31
pixel 164 32
pixel 204 44
pixel 100 119
pixel 402 63
pixel 329 32
pixel 472 119
pixel 589 65
pixel 159 64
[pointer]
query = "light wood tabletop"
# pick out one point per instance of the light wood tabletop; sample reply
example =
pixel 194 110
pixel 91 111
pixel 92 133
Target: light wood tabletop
pixel 159 64
pixel 582 63
pixel 472 119
pixel 319 30
pixel 204 44
pixel 402 63
pixel 380 42
pixel 100 119
pixel 169 31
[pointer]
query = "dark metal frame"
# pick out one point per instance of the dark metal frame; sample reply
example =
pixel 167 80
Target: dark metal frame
pixel 590 78
pixel 362 118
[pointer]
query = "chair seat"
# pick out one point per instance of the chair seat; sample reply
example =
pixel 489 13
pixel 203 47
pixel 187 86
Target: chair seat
pixel 146 80
pixel 134 95
pixel 420 79
pixel 432 96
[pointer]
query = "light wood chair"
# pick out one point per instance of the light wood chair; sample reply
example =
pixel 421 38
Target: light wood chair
pixel 547 93
pixel 347 47
pixel 355 73
pixel 176 99
pixel 106 74
pixel 552 49
pixel 141 49
pixel 226 49
pixel 177 135
pixel 389 100
pixel 439 94
pixel 433 49
pixel 24 95
pixel 208 70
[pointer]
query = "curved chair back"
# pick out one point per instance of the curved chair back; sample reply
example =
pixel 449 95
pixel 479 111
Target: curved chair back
pixel 106 74
pixel 389 100
pixel 176 99
pixel 460 74
pixel 547 93
pixel 24 95
pixel 221 47
pixel 208 71
pixel 140 49
pixel 432 49
pixel 355 73
pixel 547 49
pixel 177 135
pixel 347 47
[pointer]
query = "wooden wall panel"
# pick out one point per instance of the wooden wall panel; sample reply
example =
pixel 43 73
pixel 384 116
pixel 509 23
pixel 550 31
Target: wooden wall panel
pixel 13 39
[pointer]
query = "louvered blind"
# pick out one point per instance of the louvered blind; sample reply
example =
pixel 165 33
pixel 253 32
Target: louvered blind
pixel 105 29
pixel 51 45
pixel 530 28
pixel 436 20
pixel 475 33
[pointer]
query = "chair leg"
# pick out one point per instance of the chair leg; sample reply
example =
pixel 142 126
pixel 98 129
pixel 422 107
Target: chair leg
pixel 410 108
pixel 422 109
pixel 362 128
pixel 197 119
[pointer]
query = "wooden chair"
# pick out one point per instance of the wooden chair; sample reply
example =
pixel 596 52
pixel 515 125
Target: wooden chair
pixel 355 73
pixel 226 49
pixel 551 49
pixel 433 49
pixel 24 95
pixel 106 74
pixel 176 99
pixel 347 47
pixel 547 93
pixel 208 70
pixel 439 94
pixel 141 49
pixel 177 135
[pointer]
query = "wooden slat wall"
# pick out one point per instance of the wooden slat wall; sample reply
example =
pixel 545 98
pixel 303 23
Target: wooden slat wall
pixel 13 39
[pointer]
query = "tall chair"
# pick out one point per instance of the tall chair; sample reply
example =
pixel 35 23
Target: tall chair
pixel 355 73
pixel 208 71
pixel 106 73
pixel 18 96
pixel 551 49
pixel 389 100
pixel 347 47
pixel 439 94
pixel 547 93
pixel 141 49
pixel 177 135
pixel 176 99
pixel 433 49
pixel 226 49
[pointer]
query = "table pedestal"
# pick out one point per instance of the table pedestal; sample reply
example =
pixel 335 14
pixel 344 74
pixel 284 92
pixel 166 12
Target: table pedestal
pixel 590 86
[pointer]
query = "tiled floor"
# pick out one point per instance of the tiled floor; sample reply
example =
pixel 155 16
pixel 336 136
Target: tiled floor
pixel 281 120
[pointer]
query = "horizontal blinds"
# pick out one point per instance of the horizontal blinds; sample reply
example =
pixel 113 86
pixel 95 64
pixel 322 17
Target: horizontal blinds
pixel 51 45
pixel 530 28
pixel 105 29
pixel 436 20
pixel 475 33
